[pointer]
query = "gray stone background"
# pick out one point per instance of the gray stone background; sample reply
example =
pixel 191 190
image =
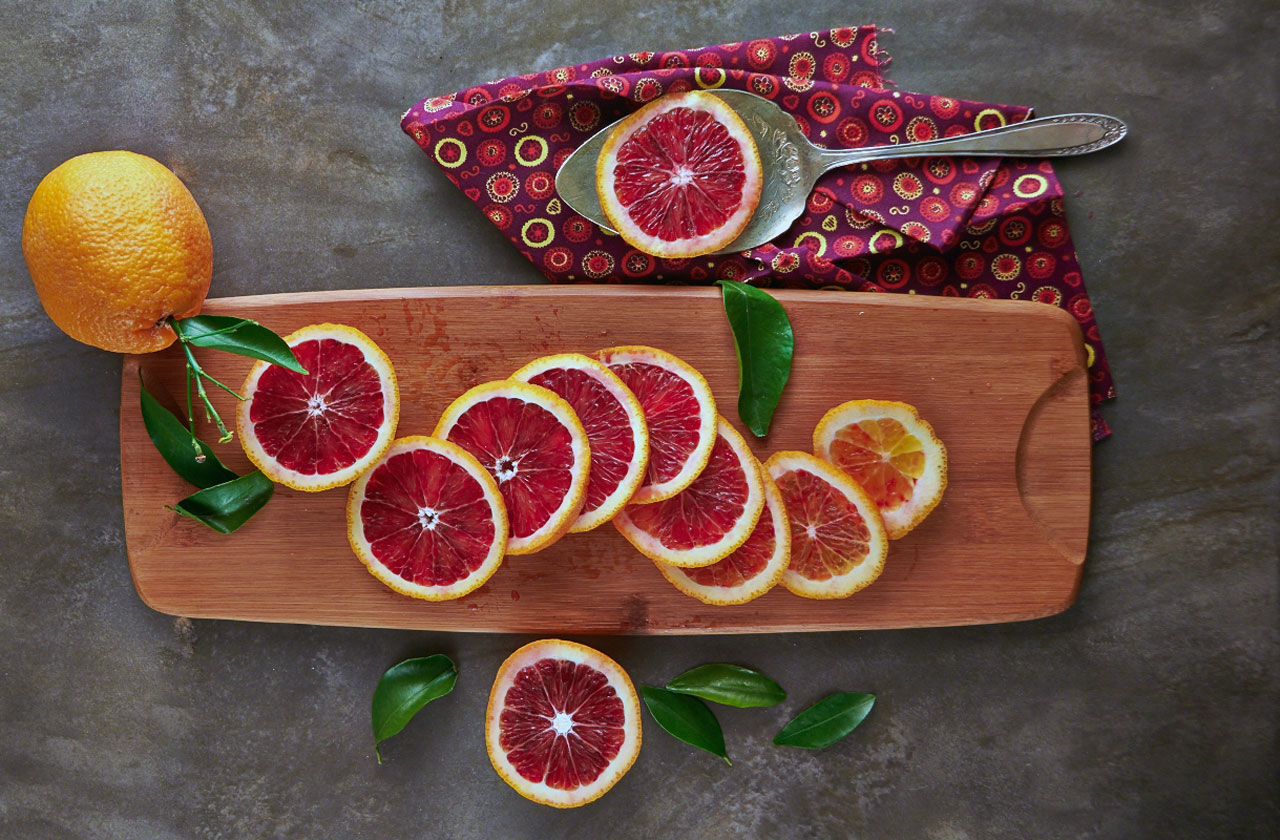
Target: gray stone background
pixel 1147 710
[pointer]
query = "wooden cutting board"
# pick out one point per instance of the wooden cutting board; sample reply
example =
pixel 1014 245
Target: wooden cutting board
pixel 1003 382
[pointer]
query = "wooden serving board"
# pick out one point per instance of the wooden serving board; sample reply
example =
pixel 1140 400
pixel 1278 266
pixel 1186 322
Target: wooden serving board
pixel 1003 382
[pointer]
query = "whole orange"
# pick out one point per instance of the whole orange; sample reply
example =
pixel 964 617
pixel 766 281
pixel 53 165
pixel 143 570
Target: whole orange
pixel 116 245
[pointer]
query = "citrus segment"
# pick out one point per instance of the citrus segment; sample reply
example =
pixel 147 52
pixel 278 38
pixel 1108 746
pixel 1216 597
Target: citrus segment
pixel 680 413
pixel 752 569
pixel 533 444
pixel 427 520
pixel 681 176
pixel 563 723
pixel 838 541
pixel 615 427
pixel 892 452
pixel 707 520
pixel 320 429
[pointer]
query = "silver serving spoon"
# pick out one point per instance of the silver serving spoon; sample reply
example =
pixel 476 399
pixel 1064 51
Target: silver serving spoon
pixel 792 164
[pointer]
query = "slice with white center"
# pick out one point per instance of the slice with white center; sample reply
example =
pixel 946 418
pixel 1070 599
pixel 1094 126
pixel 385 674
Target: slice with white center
pixel 892 452
pixel 533 444
pixel 752 569
pixel 838 541
pixel 681 176
pixel 680 413
pixel 320 429
pixel 563 723
pixel 707 520
pixel 615 427
pixel 427 520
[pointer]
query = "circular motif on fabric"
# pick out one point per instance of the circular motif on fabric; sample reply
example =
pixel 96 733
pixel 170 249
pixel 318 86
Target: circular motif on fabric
pixel 852 132
pixel 920 129
pixel 709 78
pixel 732 270
pixel 562 154
pixel 584 115
pixel 987 207
pixel 673 59
pixel 476 96
pixel 531 150
pixel 1006 267
pixel 799 86
pixel 944 106
pixel 512 92
pixel 916 231
pixel 860 217
pixel 785 262
pixel 836 67
pixel 1051 233
pixel 886 115
pixel 982 290
pixel 988 118
pixel 860 268
pixel 493 118
pixel 939 170
pixel 491 152
pixel 931 270
pixel 577 229
pixel 1047 294
pixel 970 266
pixel 762 85
pixel 547 114
pixel 675 264
pixel 597 264
pixel 710 58
pixel 1080 307
pixel 500 216
pixel 844 36
pixel 761 54
pixel 502 187
pixel 558 259
pixel 1030 186
pixel 934 209
pixel 636 263
pixel 648 88
pixel 849 246
pixel 450 152
pixel 886 241
pixel 981 228
pixel 1040 265
pixel 868 189
pixel 540 185
pixel 830 223
pixel 437 103
pixel 561 76
pixel 963 194
pixel 823 107
pixel 641 57
pixel 537 233
pixel 814 241
pixel 802 65
pixel 908 186
pixel 616 85
pixel 865 79
pixel 821 200
pixel 1015 230
pixel 893 273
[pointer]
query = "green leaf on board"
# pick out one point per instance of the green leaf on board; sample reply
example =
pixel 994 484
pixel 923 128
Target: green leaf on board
pixel 225 507
pixel 826 721
pixel 686 718
pixel 178 446
pixel 240 336
pixel 730 685
pixel 404 689
pixel 765 343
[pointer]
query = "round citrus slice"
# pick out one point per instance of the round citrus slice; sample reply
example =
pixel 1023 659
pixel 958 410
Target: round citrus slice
pixel 679 411
pixel 710 518
pixel 427 520
pixel 838 542
pixel 894 454
pixel 320 429
pixel 752 569
pixel 681 176
pixel 533 444
pixel 615 427
pixel 563 724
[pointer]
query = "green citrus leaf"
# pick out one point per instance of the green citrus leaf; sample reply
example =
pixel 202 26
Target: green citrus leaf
pixel 826 721
pixel 687 718
pixel 730 685
pixel 404 689
pixel 239 336
pixel 765 343
pixel 178 446
pixel 225 507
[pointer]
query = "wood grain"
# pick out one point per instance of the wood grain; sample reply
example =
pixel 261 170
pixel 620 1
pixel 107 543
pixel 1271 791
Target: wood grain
pixel 1003 382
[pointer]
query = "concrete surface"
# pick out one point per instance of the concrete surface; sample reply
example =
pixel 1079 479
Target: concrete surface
pixel 1148 710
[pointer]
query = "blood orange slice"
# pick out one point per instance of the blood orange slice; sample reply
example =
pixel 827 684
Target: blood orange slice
pixel 681 176
pixel 707 520
pixel 892 452
pixel 838 541
pixel 427 520
pixel 615 427
pixel 563 724
pixel 321 429
pixel 679 411
pixel 752 570
pixel 533 444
